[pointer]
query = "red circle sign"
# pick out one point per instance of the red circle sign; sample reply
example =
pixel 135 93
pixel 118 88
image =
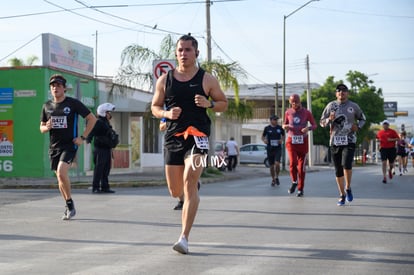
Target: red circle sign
pixel 162 68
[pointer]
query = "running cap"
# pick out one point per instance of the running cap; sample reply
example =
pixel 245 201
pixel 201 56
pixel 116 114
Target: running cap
pixel 57 78
pixel 341 87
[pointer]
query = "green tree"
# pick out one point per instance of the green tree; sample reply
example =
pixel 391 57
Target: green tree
pixel 362 91
pixel 18 62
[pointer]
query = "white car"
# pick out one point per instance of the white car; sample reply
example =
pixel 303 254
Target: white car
pixel 254 153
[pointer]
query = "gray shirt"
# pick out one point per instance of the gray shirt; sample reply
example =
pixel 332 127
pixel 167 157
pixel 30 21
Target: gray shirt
pixel 347 114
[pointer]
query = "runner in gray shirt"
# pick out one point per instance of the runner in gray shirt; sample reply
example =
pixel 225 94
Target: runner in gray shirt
pixel 344 118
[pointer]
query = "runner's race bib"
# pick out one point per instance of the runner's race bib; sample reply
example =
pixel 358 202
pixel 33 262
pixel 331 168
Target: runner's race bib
pixel 59 122
pixel 297 139
pixel 201 142
pixel 274 142
pixel 340 140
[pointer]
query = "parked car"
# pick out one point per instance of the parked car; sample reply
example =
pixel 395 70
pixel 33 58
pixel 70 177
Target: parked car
pixel 220 152
pixel 254 154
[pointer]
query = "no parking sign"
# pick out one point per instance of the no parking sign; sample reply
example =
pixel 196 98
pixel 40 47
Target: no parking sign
pixel 161 67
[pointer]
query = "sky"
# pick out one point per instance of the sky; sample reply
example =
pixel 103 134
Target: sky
pixel 375 37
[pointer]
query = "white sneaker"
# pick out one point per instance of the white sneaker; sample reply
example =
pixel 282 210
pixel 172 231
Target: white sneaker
pixel 68 214
pixel 181 246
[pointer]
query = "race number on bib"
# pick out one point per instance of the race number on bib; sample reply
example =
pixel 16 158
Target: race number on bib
pixel 59 122
pixel 340 140
pixel 274 142
pixel 297 139
pixel 201 142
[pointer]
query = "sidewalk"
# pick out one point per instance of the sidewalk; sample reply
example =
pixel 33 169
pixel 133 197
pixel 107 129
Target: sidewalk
pixel 136 179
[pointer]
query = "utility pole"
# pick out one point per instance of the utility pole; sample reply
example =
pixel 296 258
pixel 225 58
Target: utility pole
pixel 212 138
pixel 96 53
pixel 309 100
pixel 208 26
pixel 277 99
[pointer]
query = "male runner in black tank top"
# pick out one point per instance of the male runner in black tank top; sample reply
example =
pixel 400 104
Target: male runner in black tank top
pixel 186 94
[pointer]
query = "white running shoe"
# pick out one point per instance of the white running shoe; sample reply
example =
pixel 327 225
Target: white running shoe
pixel 68 214
pixel 181 246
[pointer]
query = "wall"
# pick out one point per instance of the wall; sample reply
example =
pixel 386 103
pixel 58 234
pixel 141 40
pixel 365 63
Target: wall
pixel 30 87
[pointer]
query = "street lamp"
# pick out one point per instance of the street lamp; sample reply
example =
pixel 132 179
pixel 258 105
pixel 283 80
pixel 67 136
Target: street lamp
pixel 284 55
pixel 284 69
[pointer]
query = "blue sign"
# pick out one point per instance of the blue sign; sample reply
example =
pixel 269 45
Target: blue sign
pixel 6 95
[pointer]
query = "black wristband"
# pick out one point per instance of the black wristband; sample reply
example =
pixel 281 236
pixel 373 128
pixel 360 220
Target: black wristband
pixel 211 104
pixel 83 138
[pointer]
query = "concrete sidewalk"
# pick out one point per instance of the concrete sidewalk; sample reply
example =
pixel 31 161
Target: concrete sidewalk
pixel 137 179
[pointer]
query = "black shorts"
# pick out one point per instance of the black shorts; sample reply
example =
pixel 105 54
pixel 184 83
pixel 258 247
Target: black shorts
pixel 388 154
pixel 57 155
pixel 274 154
pixel 180 149
pixel 402 154
pixel 343 156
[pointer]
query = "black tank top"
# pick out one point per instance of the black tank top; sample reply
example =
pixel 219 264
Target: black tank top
pixel 181 94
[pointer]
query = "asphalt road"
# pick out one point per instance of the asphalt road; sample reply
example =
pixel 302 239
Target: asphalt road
pixel 243 226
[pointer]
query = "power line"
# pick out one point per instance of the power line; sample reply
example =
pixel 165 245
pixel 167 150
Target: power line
pixel 127 20
pixel 90 18
pixel 364 61
pixel 356 12
pixel 162 4
pixel 37 13
pixel 24 45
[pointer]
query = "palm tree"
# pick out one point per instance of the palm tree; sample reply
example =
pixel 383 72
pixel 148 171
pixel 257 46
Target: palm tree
pixel 136 63
pixel 18 62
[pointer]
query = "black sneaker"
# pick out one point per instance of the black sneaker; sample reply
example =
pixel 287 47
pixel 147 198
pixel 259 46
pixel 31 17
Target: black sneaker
pixel 292 188
pixel 179 205
pixel 108 191
pixel 299 194
pixel 277 181
pixel 273 183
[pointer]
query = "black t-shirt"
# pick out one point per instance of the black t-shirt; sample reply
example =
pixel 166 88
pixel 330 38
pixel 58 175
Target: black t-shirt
pixel 273 134
pixel 64 116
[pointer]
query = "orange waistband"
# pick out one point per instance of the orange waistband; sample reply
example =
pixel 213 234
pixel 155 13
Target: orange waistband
pixel 191 131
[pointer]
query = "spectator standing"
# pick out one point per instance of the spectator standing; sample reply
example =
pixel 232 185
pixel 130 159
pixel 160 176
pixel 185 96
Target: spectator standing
pixel 102 153
pixel 232 150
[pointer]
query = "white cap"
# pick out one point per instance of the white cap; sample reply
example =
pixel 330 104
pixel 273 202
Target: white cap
pixel 105 107
pixel 386 122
